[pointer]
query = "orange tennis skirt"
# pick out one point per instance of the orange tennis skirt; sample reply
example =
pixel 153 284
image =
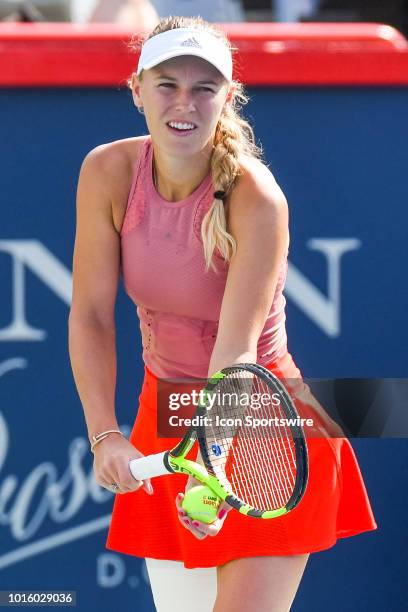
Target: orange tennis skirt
pixel 335 504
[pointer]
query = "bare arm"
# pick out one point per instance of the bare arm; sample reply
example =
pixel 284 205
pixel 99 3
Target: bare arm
pixel 92 335
pixel 259 223
pixel 95 283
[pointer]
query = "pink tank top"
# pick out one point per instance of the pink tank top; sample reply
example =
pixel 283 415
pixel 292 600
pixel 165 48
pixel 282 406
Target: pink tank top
pixel 177 302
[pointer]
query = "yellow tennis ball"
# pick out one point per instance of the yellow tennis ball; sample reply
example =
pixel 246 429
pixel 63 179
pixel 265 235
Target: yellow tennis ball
pixel 201 504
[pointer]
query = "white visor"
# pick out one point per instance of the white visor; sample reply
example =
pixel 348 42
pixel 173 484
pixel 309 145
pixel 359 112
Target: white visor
pixel 186 41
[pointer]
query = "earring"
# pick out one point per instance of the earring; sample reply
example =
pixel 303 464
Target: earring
pixel 140 109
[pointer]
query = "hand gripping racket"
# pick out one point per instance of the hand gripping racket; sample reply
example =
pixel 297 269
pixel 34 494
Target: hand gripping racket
pixel 261 470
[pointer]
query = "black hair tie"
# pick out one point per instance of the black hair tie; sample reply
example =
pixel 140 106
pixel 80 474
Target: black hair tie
pixel 219 195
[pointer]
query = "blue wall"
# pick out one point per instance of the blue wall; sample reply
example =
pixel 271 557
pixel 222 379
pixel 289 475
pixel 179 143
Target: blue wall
pixel 340 156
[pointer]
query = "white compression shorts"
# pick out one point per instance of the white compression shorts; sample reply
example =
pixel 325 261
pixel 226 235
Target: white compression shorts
pixel 176 588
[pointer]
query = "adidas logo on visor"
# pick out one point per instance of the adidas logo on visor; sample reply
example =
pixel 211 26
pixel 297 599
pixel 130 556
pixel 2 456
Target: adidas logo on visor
pixel 191 42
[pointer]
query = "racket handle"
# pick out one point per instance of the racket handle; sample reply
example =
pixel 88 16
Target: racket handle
pixel 148 467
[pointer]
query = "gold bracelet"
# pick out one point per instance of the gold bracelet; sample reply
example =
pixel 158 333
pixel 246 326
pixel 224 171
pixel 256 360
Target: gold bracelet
pixel 101 436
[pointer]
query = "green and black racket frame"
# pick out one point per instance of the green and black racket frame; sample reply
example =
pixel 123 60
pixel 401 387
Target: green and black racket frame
pixel 260 471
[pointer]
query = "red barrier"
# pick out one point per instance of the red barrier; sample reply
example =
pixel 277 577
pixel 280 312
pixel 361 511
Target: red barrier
pixel 268 54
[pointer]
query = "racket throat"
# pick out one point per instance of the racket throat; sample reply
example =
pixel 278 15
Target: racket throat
pixel 180 465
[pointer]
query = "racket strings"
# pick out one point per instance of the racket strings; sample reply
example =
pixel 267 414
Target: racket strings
pixel 268 452
pixel 255 463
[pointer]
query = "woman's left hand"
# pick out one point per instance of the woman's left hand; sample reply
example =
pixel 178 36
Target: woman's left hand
pixel 198 529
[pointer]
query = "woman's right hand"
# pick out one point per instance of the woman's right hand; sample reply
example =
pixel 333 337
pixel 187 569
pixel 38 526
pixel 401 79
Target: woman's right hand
pixel 111 465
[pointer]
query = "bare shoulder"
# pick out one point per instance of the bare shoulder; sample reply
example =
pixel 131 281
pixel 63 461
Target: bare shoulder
pixel 257 199
pixel 258 181
pixel 112 165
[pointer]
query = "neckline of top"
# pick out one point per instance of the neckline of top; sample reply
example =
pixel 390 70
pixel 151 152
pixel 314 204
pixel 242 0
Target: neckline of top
pixel 197 193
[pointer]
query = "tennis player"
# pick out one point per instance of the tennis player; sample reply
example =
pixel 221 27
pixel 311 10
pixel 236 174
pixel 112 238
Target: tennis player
pixel 198 227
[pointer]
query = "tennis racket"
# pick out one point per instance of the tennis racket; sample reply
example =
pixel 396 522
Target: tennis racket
pixel 260 471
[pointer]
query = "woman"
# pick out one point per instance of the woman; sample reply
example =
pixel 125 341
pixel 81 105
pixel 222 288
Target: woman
pixel 200 228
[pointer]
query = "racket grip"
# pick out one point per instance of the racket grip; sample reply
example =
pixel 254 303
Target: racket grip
pixel 148 467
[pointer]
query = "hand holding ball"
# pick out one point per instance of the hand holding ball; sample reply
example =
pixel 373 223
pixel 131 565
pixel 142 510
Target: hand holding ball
pixel 201 504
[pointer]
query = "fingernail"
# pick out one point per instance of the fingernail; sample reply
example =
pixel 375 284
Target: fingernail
pixel 179 495
pixel 150 488
pixel 181 512
pixel 222 513
pixel 196 524
pixel 186 521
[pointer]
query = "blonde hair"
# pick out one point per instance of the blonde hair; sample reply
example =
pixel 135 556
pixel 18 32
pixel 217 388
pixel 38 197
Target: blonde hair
pixel 234 138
